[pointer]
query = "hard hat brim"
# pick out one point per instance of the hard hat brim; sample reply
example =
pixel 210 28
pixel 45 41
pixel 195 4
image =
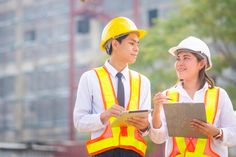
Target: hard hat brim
pixel 173 50
pixel 141 33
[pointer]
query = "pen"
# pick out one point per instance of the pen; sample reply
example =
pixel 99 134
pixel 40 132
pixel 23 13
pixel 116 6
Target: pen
pixel 168 98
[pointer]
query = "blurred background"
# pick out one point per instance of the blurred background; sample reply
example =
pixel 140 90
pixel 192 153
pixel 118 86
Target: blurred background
pixel 46 45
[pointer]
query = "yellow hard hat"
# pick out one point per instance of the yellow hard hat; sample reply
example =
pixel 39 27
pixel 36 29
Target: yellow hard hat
pixel 117 27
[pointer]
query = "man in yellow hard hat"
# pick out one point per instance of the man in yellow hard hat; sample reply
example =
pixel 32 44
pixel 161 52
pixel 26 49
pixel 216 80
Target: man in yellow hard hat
pixel 105 92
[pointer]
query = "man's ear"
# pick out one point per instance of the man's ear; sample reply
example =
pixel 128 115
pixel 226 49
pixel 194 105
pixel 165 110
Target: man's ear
pixel 114 44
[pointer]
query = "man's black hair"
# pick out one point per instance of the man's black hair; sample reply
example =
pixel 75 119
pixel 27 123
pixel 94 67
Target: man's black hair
pixel 119 39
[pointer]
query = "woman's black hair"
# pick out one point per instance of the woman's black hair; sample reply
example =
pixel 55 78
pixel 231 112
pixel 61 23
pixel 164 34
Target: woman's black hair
pixel 119 39
pixel 203 77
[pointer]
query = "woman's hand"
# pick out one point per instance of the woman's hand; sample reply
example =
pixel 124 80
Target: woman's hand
pixel 205 128
pixel 158 100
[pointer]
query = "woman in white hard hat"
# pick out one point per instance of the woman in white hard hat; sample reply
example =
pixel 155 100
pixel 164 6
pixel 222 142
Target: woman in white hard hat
pixel 105 92
pixel 192 61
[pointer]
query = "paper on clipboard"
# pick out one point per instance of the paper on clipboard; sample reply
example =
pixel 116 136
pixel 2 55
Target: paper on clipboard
pixel 120 121
pixel 178 118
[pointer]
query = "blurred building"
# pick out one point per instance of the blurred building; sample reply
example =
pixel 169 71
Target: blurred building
pixel 35 66
pixel 44 48
pixel 28 150
pixel 40 149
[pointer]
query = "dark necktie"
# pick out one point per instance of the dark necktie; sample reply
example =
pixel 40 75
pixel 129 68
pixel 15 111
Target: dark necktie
pixel 120 90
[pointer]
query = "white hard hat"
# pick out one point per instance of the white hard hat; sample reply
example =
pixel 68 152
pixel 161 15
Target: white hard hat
pixel 196 45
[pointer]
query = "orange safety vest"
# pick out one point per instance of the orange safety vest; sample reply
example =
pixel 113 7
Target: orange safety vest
pixel 127 137
pixel 196 147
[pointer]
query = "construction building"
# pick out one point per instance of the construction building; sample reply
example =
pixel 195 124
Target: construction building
pixel 45 46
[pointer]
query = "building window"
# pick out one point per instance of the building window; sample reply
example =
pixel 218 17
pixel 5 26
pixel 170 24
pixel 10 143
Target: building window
pixel 7 85
pixel 30 35
pixel 83 26
pixel 152 14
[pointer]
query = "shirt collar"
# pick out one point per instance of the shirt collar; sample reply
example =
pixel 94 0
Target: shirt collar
pixel 179 86
pixel 113 71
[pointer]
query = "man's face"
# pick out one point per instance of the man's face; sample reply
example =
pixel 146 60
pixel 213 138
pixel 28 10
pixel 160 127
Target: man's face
pixel 127 50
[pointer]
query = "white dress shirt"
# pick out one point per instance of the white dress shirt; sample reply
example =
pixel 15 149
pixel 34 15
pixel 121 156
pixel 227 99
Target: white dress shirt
pixel 225 119
pixel 89 103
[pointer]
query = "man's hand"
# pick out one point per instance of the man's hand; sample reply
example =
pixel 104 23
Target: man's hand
pixel 140 123
pixel 113 111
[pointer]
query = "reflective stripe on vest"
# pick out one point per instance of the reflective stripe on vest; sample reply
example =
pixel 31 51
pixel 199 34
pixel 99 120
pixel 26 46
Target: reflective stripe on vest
pixel 127 137
pixel 182 146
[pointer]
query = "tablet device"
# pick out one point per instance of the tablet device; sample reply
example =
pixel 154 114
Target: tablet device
pixel 121 120
pixel 179 116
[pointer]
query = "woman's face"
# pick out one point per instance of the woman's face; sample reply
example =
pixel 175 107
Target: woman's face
pixel 187 66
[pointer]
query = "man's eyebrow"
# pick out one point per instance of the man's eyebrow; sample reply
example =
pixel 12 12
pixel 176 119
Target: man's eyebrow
pixel 137 41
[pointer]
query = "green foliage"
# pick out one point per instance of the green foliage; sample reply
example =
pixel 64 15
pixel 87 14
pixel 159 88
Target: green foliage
pixel 232 94
pixel 154 59
pixel 214 20
pixel 211 20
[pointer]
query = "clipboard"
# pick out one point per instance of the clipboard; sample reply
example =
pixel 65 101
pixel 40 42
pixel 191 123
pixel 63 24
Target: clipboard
pixel 121 120
pixel 178 118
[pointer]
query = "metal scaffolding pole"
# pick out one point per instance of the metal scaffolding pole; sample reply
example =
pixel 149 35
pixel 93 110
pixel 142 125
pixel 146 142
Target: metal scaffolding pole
pixel 71 72
pixel 84 10
pixel 136 12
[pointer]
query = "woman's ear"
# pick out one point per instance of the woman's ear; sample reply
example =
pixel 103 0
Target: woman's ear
pixel 203 63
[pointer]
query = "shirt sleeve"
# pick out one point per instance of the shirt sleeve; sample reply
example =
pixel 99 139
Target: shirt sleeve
pixel 145 98
pixel 145 93
pixel 84 119
pixel 227 119
pixel 159 135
